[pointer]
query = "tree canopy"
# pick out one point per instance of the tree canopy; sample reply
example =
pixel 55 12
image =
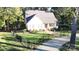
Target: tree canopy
pixel 8 15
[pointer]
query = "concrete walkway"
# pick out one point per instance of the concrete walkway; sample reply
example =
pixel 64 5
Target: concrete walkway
pixel 53 45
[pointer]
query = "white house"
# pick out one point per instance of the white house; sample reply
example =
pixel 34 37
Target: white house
pixel 40 20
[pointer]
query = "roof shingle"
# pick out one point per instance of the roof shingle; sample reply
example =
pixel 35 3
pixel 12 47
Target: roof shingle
pixel 46 17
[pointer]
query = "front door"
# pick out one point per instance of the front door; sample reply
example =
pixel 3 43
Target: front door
pixel 45 25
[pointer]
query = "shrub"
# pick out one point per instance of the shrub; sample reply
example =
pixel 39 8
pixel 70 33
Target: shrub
pixel 18 38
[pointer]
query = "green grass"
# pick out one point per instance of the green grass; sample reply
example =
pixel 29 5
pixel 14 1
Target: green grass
pixel 9 43
pixel 64 33
pixel 33 37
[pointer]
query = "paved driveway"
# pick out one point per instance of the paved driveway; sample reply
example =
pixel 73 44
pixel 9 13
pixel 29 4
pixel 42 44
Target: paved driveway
pixel 53 45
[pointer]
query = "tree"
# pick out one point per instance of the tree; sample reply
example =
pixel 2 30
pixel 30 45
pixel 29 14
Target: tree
pixel 73 29
pixel 9 15
pixel 1 24
pixel 68 16
pixel 64 16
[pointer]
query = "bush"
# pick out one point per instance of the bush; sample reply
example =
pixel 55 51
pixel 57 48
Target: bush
pixel 18 38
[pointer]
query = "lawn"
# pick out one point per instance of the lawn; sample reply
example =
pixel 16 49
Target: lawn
pixel 29 41
pixel 64 33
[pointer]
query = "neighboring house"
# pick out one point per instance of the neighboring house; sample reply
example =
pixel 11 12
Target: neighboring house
pixel 40 20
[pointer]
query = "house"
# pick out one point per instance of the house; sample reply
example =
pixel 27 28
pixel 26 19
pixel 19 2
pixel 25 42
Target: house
pixel 40 20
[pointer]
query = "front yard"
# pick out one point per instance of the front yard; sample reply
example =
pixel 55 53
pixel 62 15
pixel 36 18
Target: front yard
pixel 30 41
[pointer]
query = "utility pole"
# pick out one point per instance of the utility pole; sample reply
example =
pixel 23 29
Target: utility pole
pixel 73 29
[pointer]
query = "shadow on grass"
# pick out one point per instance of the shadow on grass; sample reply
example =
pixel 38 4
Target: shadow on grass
pixel 13 49
pixel 9 49
pixel 9 38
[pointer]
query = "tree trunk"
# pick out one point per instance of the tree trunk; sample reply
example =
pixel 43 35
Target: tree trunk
pixel 7 28
pixel 73 32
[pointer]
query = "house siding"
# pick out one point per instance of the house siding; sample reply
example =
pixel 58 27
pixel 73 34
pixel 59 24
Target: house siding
pixel 41 20
pixel 35 24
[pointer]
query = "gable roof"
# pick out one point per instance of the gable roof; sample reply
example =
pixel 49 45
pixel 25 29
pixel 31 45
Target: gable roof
pixel 46 17
pixel 30 17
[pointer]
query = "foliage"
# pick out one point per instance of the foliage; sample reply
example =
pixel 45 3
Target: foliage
pixel 9 15
pixel 1 24
pixel 18 38
pixel 64 16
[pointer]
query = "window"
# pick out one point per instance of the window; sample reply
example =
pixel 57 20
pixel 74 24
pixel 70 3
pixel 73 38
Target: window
pixel 51 24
